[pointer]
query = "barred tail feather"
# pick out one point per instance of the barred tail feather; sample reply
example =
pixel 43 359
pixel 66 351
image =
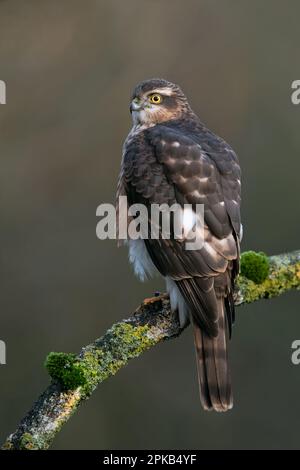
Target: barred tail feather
pixel 212 364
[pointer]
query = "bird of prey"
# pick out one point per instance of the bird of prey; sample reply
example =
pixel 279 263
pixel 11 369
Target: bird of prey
pixel 170 157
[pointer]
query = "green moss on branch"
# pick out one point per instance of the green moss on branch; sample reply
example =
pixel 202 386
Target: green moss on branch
pixel 99 361
pixel 283 275
pixel 255 266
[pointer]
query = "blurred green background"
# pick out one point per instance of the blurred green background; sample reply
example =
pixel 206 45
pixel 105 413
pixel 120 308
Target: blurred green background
pixel 70 67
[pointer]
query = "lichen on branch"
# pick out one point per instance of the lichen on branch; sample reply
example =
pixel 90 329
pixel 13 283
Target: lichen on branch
pixel 283 275
pixel 75 377
pixel 101 359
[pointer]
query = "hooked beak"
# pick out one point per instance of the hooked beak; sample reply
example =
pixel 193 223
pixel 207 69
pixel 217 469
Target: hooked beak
pixel 135 105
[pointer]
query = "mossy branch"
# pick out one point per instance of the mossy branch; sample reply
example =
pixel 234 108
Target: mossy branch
pixel 74 378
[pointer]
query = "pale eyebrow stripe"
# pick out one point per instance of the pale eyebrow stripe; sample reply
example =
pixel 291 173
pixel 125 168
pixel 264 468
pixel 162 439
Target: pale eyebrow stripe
pixel 164 91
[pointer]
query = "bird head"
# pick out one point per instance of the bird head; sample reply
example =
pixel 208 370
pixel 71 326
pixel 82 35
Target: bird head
pixel 157 100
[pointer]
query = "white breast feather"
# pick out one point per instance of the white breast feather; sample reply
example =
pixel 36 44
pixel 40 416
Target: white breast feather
pixel 140 259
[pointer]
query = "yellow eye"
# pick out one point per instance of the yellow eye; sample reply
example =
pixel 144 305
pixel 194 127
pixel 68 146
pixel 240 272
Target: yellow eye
pixel 155 98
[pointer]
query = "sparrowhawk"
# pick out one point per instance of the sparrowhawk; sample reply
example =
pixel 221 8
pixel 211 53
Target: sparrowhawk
pixel 170 157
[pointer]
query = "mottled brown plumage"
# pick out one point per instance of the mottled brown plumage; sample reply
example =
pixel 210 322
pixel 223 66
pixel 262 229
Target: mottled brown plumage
pixel 171 157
